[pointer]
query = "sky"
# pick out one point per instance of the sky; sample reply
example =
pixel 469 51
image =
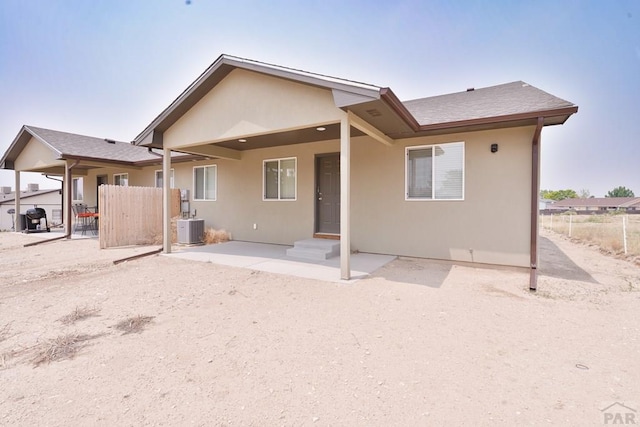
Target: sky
pixel 107 68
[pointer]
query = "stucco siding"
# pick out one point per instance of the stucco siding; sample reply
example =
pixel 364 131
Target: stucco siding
pixel 36 155
pixel 491 224
pixel 248 103
pixel 239 203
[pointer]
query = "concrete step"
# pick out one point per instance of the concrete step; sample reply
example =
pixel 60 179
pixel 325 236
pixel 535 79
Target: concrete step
pixel 315 249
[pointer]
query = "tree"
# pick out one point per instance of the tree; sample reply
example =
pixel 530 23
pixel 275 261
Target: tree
pixel 584 193
pixel 558 194
pixel 620 192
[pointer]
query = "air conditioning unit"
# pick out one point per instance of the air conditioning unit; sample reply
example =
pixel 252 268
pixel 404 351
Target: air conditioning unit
pixel 190 231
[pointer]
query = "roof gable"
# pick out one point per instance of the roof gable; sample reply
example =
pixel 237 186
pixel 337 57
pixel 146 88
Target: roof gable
pixel 65 145
pixel 224 64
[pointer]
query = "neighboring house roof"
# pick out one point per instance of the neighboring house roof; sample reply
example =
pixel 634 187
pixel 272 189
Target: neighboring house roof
pixel 512 104
pixel 73 146
pixel 598 202
pixel 11 197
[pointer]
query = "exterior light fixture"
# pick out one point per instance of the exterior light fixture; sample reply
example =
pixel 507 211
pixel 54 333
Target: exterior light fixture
pixel 494 148
pixel 321 129
pixel 242 140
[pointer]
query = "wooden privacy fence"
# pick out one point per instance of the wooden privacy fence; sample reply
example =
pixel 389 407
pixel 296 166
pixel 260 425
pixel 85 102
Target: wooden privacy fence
pixel 132 215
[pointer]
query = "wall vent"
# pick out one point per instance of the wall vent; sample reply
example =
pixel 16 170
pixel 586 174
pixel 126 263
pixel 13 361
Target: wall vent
pixel 190 231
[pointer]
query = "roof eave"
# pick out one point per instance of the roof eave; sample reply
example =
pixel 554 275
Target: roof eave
pixel 562 113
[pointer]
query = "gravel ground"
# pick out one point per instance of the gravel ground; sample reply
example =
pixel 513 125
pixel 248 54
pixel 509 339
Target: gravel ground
pixel 164 341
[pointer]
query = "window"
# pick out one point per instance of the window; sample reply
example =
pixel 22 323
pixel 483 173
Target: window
pixel 279 179
pixel 204 182
pixel 435 172
pixel 159 179
pixel 76 189
pixel 121 179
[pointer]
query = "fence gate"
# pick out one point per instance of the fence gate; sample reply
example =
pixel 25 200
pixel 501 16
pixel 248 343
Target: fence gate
pixel 132 215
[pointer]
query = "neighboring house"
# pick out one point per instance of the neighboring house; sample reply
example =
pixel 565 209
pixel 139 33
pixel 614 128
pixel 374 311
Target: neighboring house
pixel 546 204
pixel 598 204
pixel 294 155
pixel 49 200
pixel 85 163
pixel 300 155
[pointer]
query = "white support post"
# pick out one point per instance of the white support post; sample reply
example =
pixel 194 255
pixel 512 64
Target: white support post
pixel 166 201
pixel 17 222
pixel 570 223
pixel 624 233
pixel 345 198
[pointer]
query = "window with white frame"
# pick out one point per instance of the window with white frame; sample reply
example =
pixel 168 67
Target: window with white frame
pixel 77 189
pixel 159 179
pixel 121 179
pixel 435 172
pixel 205 182
pixel 279 179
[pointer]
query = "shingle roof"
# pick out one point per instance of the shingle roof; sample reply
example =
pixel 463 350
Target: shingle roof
pixel 70 145
pixel 495 101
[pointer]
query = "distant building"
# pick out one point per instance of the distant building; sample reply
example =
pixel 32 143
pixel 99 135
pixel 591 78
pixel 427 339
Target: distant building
pixel 597 205
pixel 546 204
pixel 50 200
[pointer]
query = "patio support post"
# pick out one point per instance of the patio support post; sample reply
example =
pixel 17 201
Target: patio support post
pixel 166 201
pixel 345 198
pixel 17 224
pixel 66 196
pixel 535 205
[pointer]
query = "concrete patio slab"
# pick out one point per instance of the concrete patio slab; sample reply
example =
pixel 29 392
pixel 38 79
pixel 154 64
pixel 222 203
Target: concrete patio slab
pixel 273 259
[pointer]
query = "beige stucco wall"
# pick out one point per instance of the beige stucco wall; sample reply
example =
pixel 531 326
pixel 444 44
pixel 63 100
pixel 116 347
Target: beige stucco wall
pixel 239 203
pixel 493 220
pixel 246 103
pixel 36 155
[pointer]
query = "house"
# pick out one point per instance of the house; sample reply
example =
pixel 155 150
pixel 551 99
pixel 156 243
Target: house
pixel 85 162
pixel 598 205
pixel 284 155
pixel 297 155
pixel 546 204
pixel 48 199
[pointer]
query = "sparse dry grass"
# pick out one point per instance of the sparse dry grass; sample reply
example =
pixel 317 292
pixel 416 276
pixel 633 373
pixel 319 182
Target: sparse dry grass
pixel 212 236
pixel 134 324
pixel 80 313
pixel 4 331
pixel 60 348
pixel 603 231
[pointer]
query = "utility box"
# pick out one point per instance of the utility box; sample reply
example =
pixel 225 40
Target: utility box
pixel 190 231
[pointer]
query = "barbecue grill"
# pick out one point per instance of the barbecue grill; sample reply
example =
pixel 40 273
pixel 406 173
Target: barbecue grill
pixel 36 221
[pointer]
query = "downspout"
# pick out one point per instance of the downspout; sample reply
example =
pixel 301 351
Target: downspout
pixel 535 191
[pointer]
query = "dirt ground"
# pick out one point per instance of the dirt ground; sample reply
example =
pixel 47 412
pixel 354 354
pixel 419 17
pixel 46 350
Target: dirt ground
pixel 418 343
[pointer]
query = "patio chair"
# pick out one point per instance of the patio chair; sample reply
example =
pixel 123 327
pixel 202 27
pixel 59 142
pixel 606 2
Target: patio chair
pixel 84 219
